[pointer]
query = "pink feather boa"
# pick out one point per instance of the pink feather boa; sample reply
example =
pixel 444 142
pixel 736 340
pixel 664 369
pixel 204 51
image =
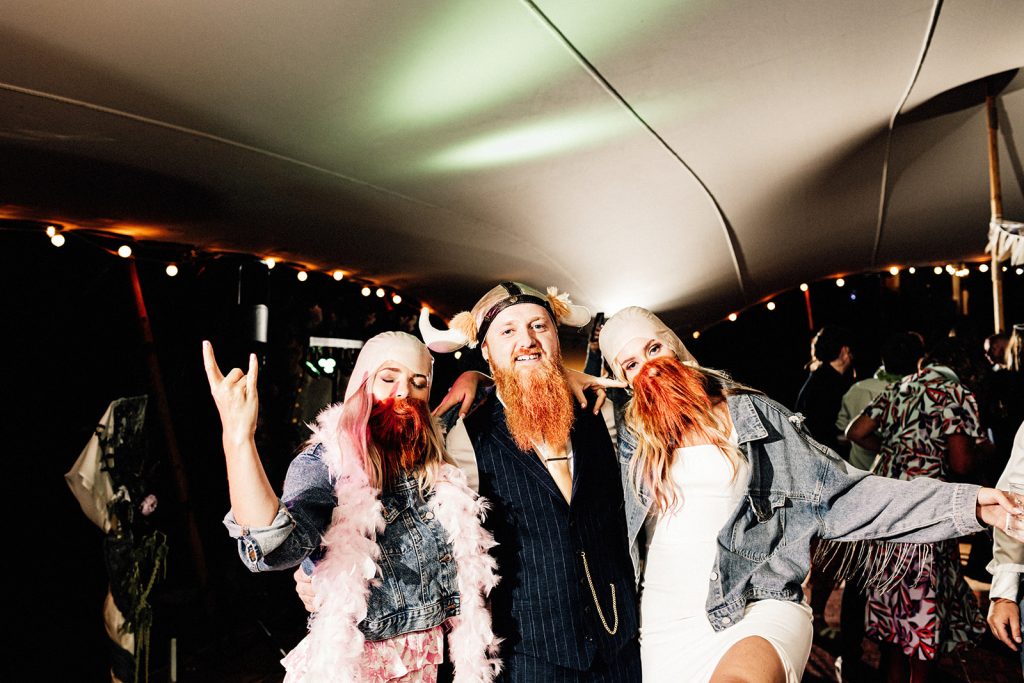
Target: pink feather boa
pixel 333 649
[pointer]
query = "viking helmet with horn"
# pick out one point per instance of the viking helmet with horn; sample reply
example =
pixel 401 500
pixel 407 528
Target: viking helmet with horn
pixel 469 328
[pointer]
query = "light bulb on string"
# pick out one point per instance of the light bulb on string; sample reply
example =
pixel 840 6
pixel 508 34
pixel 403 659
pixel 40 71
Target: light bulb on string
pixel 339 275
pixel 171 270
pixel 770 305
pixel 894 270
pixel 1019 271
pixel 365 291
pixel 458 355
pixel 380 292
pixel 396 298
pixel 937 270
pixel 911 270
pixel 51 231
pixel 950 269
pixel 983 268
pixel 124 251
pixel 302 276
pixel 696 334
pixel 840 282
pixel 733 317
pixel 269 262
pixel 804 287
pixel 57 240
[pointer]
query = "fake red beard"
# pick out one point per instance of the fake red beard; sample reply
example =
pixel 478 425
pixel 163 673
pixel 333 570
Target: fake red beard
pixel 670 402
pixel 397 428
pixel 538 404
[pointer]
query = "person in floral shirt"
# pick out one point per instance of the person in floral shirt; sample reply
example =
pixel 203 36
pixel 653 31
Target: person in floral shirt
pixel 925 425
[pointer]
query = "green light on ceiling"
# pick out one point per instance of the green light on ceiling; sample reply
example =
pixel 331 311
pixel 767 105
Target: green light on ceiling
pixel 535 140
pixel 475 56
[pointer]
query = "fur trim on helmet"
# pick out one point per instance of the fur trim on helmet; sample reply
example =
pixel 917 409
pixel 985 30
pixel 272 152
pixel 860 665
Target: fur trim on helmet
pixel 465 324
pixel 565 310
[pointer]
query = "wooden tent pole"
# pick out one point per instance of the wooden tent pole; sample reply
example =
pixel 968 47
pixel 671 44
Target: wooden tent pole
pixel 810 313
pixel 996 201
pixel 164 414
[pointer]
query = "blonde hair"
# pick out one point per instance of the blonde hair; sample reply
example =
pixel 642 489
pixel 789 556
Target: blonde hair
pixel 650 469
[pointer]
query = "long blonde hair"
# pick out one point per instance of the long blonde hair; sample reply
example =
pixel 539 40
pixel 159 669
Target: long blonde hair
pixel 650 468
pixel 353 430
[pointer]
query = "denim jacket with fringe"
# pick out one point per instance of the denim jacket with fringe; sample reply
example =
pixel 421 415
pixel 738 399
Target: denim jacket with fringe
pixel 799 490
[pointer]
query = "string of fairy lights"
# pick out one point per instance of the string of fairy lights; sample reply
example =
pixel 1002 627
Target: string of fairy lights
pixel 962 270
pixel 58 237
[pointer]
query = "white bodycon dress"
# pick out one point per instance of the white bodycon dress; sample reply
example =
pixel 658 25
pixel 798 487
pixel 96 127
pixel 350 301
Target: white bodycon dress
pixel 677 642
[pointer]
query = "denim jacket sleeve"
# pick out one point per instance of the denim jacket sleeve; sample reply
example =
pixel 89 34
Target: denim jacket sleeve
pixel 856 506
pixel 304 514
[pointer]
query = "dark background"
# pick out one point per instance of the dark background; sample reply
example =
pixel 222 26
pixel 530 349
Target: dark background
pixel 73 344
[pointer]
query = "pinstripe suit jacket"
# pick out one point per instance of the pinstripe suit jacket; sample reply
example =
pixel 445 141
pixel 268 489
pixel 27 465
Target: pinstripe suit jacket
pixel 543 605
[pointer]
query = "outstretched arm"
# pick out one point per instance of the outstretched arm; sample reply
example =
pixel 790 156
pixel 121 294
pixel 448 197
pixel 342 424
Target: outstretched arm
pixel 253 500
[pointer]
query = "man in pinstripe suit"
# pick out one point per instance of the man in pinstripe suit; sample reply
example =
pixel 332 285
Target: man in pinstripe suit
pixel 566 603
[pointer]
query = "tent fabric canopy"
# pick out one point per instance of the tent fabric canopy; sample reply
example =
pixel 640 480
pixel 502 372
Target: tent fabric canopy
pixel 691 157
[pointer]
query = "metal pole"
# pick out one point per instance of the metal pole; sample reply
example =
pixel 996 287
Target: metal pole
pixel 996 201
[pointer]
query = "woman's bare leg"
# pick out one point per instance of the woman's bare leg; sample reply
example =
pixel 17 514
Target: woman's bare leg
pixel 751 660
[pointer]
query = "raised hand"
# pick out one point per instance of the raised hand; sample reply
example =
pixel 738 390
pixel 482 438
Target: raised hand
pixel 253 500
pixel 580 382
pixel 235 396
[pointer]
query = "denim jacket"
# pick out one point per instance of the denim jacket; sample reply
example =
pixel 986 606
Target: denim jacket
pixel 798 490
pixel 416 585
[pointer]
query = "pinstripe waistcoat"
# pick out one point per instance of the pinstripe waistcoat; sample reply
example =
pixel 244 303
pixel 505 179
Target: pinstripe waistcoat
pixel 544 605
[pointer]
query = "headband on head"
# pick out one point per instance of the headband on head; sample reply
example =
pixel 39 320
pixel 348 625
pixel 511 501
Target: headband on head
pixel 516 295
pixel 632 323
pixel 469 328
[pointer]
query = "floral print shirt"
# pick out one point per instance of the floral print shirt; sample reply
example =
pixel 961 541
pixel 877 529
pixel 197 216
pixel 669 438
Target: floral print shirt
pixel 916 416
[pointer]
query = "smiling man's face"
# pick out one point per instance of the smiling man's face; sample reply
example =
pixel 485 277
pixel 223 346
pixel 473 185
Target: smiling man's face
pixel 521 338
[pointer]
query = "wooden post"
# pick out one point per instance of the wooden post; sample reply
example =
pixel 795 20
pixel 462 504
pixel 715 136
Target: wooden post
pixel 164 414
pixel 996 201
pixel 810 313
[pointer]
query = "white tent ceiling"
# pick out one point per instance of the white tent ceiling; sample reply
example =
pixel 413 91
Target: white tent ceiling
pixel 692 156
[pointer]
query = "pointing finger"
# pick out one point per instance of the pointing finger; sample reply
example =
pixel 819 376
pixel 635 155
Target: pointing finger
pixel 213 374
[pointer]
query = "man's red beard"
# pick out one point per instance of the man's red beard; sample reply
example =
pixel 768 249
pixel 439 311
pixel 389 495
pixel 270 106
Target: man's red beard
pixel 670 402
pixel 397 429
pixel 538 403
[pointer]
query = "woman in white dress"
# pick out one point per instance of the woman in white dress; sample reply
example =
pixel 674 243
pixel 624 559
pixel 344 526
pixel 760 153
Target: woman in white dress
pixel 724 493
